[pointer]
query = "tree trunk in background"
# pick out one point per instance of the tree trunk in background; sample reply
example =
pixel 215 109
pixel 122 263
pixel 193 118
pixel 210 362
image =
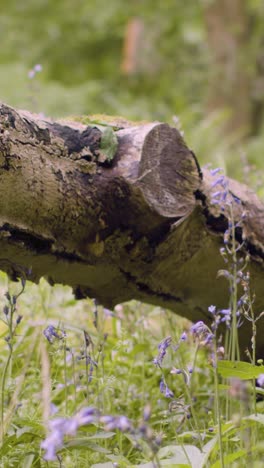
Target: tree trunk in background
pixel 227 24
pixel 142 226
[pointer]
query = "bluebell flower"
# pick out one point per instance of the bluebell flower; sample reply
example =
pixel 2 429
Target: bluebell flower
pixel 60 427
pixel 164 389
pixel 199 329
pixel 260 380
pixel 174 370
pixel 18 320
pixel 147 412
pixel 219 181
pixel 116 422
pixel 50 333
pixel 51 444
pixel 168 393
pixel 212 309
pixel 162 347
pixel 215 171
pixel 164 344
pixel 162 386
pixel 123 423
pixel 183 336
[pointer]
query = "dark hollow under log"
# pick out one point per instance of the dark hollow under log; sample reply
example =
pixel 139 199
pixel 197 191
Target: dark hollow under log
pixel 142 226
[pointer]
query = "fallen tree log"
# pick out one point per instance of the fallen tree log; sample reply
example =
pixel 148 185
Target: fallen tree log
pixel 141 226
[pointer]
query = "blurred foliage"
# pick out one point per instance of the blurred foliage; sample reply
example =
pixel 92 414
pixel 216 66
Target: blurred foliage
pixel 80 46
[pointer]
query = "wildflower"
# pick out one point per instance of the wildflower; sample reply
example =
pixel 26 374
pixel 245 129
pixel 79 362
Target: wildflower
pixel 199 329
pixel 19 318
pixel 215 171
pixel 168 393
pixel 108 312
pixel 123 424
pixel 50 333
pixel 164 389
pixel 51 444
pixel 147 412
pixel 236 199
pixel 164 344
pixel 53 408
pixel 220 352
pixel 162 386
pixel 226 316
pixel 212 309
pixel 162 347
pixel 116 422
pixel 174 370
pixel 260 380
pixel 65 426
pixel 219 197
pixel 36 69
pixel 183 336
pixel 219 181
pixel 7 295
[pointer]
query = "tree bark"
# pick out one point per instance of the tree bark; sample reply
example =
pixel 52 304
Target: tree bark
pixel 143 226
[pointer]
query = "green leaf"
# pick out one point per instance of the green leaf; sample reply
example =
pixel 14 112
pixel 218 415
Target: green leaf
pixel 256 417
pixel 31 459
pixel 240 370
pixel 108 145
pixel 102 435
pixel 181 455
pixel 83 443
pixel 230 458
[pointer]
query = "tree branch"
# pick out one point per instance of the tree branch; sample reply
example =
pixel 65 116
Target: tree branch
pixel 142 226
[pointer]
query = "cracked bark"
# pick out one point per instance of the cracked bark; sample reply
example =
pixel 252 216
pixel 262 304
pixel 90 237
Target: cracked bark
pixel 141 227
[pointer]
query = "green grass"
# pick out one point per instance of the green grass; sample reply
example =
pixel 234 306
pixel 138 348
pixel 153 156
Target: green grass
pixel 45 377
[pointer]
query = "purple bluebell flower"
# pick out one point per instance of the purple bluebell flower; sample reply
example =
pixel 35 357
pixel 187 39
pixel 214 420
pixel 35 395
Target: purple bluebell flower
pixel 164 344
pixel 38 68
pixel 162 386
pixel 183 336
pixel 51 444
pixel 236 199
pixel 212 309
pixel 31 74
pixel 116 422
pixel 168 393
pixel 219 181
pixel 164 389
pixel 162 347
pixel 123 424
pixel 19 318
pixel 147 412
pixel 53 408
pixel 174 370
pixel 209 338
pixel 219 197
pixel 202 333
pixel 60 427
pixel 199 329
pixel 50 333
pixel 215 171
pixel 260 380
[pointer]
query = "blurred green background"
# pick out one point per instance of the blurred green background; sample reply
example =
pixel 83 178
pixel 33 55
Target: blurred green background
pixel 199 64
